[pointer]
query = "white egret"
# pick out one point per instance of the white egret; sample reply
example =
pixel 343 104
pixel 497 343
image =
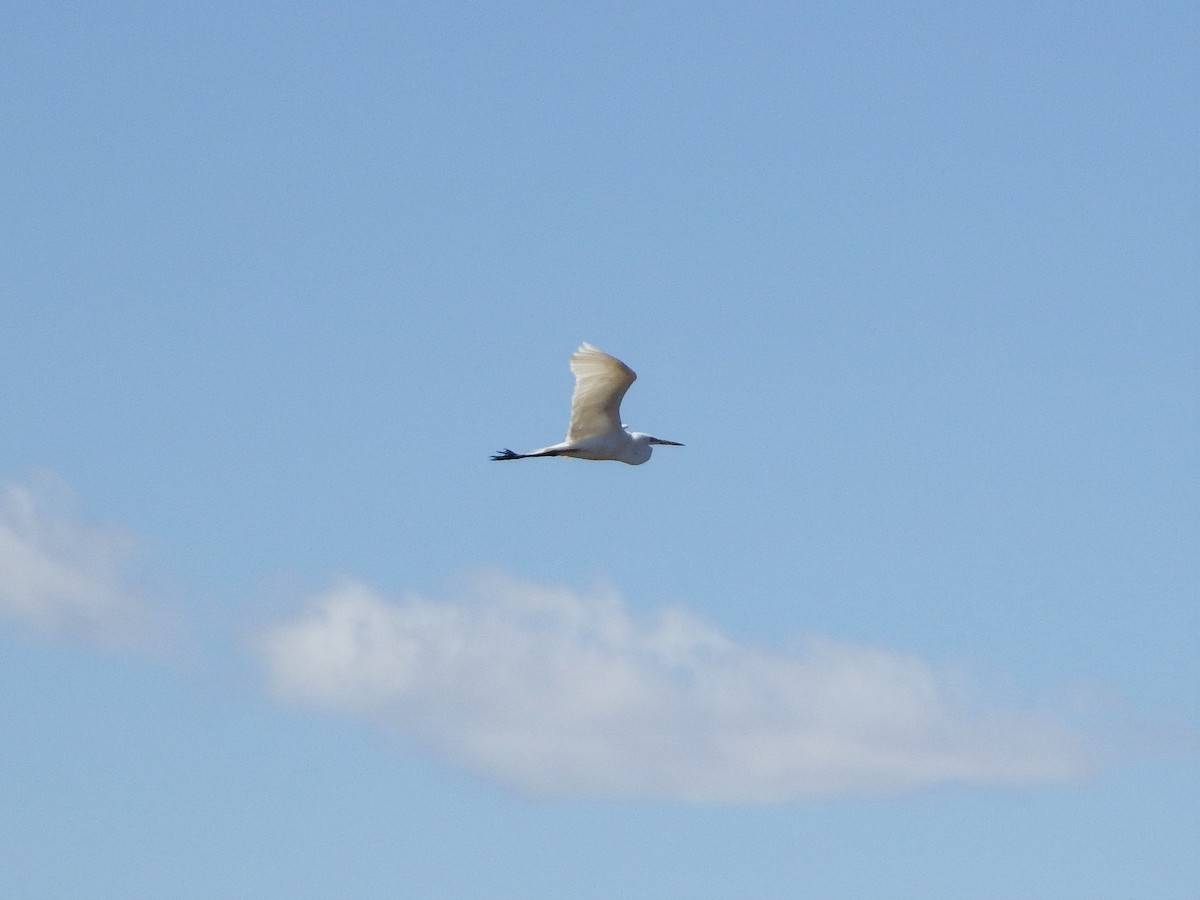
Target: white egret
pixel 596 431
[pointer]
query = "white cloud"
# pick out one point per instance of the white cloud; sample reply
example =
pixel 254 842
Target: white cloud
pixel 62 577
pixel 564 694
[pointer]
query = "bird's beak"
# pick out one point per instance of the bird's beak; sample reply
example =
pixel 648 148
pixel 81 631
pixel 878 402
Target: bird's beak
pixel 668 443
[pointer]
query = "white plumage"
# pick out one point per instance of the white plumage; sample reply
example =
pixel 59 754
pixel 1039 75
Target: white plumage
pixel 596 431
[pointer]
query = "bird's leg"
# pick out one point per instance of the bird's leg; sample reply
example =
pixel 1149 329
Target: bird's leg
pixel 508 454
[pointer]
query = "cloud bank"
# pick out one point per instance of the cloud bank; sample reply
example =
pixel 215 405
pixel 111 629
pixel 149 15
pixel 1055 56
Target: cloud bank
pixel 560 693
pixel 63 578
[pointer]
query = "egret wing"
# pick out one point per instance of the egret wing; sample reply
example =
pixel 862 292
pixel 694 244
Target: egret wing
pixel 600 383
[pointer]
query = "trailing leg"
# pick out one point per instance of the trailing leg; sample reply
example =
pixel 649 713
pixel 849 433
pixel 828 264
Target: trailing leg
pixel 508 454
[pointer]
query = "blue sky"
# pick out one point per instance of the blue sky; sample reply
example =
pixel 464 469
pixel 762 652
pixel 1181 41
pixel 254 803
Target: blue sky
pixel 912 614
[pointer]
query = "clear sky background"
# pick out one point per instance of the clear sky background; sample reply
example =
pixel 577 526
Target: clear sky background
pixel 912 614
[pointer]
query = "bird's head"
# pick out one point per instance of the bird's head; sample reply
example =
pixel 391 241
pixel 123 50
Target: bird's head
pixel 642 445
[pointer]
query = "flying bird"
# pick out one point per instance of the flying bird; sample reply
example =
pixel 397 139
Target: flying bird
pixel 596 431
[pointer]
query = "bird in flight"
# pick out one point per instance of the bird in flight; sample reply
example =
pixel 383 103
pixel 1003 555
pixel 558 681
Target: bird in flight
pixel 596 431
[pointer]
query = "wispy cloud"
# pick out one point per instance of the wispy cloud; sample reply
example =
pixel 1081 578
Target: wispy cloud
pixel 568 694
pixel 62 577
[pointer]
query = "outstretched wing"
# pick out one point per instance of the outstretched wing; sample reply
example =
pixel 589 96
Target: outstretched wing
pixel 600 383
